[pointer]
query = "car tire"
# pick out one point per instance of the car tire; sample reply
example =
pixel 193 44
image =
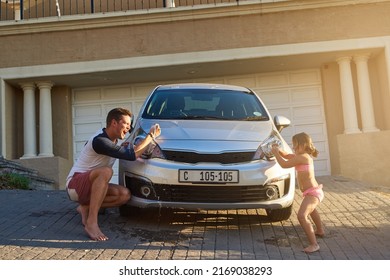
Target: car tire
pixel 277 215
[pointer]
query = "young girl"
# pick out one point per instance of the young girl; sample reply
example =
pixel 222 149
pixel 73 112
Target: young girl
pixel 302 160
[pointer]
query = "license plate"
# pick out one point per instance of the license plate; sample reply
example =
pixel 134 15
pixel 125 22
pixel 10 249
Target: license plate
pixel 208 176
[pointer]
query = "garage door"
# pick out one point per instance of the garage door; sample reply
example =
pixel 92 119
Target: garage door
pixel 91 106
pixel 295 95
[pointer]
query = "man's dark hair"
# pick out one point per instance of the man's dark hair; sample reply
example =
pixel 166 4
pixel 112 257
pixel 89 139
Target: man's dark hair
pixel 116 114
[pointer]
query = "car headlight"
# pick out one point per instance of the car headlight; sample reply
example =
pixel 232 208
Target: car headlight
pixel 265 148
pixel 152 150
pixel 157 153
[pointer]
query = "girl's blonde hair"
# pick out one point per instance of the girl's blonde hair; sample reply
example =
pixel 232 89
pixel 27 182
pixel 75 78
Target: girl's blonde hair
pixel 304 140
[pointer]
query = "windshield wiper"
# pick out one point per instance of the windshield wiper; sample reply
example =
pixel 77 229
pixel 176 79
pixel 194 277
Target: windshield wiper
pixel 200 118
pixel 256 118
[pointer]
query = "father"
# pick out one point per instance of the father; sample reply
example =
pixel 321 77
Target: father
pixel 88 182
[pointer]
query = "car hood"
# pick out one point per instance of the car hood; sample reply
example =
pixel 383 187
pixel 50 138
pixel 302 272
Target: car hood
pixel 210 136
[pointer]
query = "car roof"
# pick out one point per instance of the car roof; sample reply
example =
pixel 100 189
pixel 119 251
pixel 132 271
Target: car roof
pixel 203 86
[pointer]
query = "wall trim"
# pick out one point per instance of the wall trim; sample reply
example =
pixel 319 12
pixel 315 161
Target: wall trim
pixel 130 63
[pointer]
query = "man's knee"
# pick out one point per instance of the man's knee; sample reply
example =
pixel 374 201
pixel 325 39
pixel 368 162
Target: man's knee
pixel 125 195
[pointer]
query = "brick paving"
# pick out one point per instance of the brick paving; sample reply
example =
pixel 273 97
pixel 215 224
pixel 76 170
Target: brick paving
pixel 44 225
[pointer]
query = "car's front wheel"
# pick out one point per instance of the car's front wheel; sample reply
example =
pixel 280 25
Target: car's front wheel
pixel 277 215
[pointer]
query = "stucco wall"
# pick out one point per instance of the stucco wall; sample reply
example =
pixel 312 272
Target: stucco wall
pixel 365 156
pixel 62 122
pixel 186 30
pixel 383 101
pixel 53 168
pixel 14 123
pixel 333 110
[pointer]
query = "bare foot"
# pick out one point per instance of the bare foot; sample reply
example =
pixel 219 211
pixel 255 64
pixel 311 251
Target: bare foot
pixel 94 233
pixel 83 211
pixel 320 234
pixel 311 248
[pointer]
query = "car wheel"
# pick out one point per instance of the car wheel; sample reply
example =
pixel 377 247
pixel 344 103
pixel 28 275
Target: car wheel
pixel 277 215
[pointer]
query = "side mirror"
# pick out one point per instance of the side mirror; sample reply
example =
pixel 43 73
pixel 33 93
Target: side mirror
pixel 281 122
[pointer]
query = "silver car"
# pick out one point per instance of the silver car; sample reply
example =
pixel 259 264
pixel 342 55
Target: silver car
pixel 213 152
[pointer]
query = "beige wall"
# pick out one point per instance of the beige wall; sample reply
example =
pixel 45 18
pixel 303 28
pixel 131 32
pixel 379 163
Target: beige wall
pixel 55 168
pixel 365 156
pixel 382 101
pixel 333 110
pixel 14 124
pixel 186 31
pixel 359 156
pixel 62 122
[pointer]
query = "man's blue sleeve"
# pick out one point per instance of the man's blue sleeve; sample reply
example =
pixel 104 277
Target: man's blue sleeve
pixel 104 146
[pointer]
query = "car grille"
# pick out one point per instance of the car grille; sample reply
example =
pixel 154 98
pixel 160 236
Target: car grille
pixel 209 194
pixel 224 158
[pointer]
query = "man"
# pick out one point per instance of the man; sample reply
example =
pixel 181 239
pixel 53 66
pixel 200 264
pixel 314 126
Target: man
pixel 88 180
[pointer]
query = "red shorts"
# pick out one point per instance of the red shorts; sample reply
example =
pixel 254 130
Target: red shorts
pixel 79 188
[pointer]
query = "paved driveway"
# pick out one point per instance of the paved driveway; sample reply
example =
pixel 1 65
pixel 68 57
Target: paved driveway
pixel 45 225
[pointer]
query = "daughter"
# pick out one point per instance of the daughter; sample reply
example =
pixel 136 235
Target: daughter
pixel 302 160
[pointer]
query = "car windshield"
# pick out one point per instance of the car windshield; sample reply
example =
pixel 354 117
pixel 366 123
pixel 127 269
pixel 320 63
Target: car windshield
pixel 204 104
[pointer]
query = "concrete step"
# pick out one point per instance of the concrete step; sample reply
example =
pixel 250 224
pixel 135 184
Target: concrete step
pixel 36 181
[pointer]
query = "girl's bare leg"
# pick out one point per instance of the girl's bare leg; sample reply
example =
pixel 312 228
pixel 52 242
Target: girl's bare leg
pixel 307 207
pixel 315 216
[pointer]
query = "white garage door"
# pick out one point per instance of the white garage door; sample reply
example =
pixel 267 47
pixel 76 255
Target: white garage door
pixel 91 106
pixel 296 95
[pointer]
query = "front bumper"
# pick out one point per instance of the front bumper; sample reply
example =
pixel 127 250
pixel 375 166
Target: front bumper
pixel 262 184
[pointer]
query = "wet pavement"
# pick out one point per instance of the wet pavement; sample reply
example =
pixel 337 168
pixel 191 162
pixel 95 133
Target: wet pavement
pixel 44 225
